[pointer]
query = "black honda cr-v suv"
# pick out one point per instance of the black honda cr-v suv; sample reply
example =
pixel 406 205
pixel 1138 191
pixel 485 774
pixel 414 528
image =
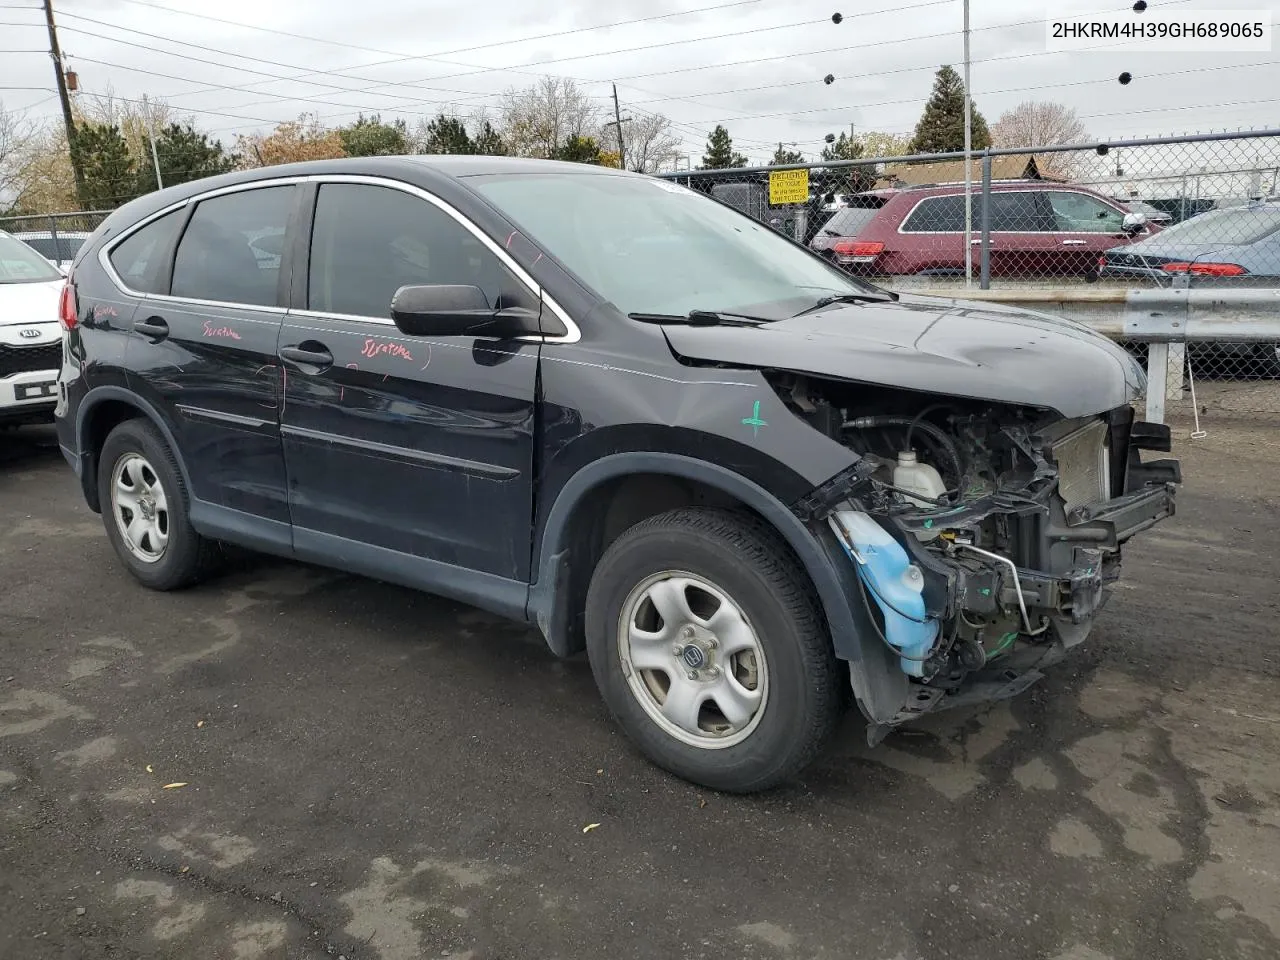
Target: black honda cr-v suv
pixel 750 486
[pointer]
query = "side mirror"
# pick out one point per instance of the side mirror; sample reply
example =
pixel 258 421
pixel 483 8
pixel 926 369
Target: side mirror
pixel 444 310
pixel 1133 222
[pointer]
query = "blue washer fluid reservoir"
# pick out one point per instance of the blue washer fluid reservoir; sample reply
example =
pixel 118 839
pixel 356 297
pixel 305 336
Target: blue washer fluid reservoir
pixel 894 582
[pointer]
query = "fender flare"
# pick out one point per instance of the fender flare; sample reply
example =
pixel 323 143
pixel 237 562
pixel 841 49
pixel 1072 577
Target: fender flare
pixel 93 399
pixel 548 606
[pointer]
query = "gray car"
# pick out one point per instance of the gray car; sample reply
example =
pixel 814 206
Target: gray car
pixel 1237 245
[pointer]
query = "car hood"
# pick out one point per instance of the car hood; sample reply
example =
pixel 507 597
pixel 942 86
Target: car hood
pixel 951 347
pixel 24 304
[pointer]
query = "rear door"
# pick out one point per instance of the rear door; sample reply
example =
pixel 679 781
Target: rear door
pixel 1022 240
pixel 203 349
pixel 403 452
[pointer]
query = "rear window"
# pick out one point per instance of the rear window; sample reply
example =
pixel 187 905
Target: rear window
pixel 136 258
pixel 849 221
pixel 1236 227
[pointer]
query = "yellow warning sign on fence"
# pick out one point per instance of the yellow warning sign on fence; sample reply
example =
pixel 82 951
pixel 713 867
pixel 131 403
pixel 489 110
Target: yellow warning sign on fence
pixel 789 186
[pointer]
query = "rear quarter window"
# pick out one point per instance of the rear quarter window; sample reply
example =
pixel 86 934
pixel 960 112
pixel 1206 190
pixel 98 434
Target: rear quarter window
pixel 936 215
pixel 136 258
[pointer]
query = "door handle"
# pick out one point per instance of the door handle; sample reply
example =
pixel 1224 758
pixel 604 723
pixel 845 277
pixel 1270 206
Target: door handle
pixel 309 353
pixel 1073 243
pixel 153 327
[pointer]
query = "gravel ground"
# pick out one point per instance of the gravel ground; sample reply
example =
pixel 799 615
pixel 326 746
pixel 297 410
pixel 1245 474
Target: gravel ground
pixel 374 773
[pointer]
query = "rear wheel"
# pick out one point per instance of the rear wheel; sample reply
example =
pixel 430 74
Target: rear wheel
pixel 144 507
pixel 709 649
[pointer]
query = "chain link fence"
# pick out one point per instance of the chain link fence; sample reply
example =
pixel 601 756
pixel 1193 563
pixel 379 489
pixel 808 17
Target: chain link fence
pixel 1068 230
pixel 55 236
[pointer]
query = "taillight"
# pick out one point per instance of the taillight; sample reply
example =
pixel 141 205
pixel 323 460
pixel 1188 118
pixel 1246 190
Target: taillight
pixel 1206 269
pixel 863 251
pixel 68 306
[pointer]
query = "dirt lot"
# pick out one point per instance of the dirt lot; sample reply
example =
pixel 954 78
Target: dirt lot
pixel 373 773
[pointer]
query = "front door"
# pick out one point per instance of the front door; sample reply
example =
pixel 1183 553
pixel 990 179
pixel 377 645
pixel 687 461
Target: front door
pixel 396 446
pixel 203 350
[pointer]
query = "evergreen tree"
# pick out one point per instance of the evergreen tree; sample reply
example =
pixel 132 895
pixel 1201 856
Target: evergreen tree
pixel 370 137
pixel 185 154
pixel 110 176
pixel 447 134
pixel 941 126
pixel 782 156
pixel 720 153
pixel 488 142
pixel 577 149
pixel 843 148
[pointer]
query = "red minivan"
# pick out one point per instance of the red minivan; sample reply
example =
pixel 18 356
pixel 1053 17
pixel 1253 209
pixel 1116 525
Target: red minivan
pixel 1038 228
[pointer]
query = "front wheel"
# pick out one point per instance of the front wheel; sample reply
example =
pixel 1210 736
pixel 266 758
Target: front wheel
pixel 709 649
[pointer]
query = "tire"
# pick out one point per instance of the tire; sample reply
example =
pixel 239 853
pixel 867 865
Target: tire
pixel 135 462
pixel 708 557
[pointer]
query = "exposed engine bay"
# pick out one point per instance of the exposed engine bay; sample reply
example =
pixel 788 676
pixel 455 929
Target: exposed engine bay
pixel 983 537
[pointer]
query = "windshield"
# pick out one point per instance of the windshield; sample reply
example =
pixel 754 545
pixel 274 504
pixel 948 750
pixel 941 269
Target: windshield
pixel 1233 227
pixel 654 247
pixel 20 264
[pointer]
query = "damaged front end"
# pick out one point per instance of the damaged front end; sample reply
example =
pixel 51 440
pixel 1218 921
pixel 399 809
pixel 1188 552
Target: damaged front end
pixel 980 539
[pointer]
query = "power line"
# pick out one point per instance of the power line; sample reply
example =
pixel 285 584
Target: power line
pixel 402 58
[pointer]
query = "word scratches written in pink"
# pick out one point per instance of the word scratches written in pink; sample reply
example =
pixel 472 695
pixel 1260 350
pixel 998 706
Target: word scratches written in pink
pixel 224 333
pixel 376 348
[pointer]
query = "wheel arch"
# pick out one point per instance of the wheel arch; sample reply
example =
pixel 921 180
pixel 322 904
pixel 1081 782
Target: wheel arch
pixel 579 520
pixel 101 411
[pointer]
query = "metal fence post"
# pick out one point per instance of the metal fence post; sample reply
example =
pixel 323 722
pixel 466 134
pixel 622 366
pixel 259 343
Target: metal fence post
pixel 985 278
pixel 1157 380
pixel 53 232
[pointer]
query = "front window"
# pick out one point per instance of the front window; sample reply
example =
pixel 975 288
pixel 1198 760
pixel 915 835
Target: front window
pixel 650 246
pixel 1081 213
pixel 21 264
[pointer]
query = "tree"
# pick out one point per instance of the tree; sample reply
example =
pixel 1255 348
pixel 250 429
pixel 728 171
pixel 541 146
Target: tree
pixel 578 149
pixel 18 134
pixel 185 154
pixel 488 142
pixel 649 141
pixel 370 137
pixel 445 134
pixel 720 153
pixel 941 126
pixel 1040 124
pixel 876 143
pixel 844 147
pixel 541 119
pixel 110 174
pixel 782 156
pixel 290 142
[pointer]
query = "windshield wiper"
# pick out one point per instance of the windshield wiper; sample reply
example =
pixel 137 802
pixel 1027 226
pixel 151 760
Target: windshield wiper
pixel 703 318
pixel 868 297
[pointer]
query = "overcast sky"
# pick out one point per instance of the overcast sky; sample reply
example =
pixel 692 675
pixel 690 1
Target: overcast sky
pixel 765 86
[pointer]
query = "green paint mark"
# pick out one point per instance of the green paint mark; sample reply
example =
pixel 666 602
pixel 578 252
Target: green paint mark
pixel 754 421
pixel 985 591
pixel 928 524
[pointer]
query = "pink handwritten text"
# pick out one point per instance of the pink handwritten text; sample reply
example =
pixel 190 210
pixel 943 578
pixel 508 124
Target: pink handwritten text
pixel 226 333
pixel 374 348
pixel 101 310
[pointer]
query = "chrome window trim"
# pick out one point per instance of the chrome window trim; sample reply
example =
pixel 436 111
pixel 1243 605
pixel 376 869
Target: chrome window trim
pixel 573 336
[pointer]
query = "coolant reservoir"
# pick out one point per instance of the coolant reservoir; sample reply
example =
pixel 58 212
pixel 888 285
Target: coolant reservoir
pixel 918 478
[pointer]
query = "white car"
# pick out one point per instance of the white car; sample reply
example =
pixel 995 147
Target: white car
pixel 30 335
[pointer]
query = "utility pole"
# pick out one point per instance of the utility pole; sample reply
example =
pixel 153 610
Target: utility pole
pixel 151 135
pixel 618 121
pixel 67 118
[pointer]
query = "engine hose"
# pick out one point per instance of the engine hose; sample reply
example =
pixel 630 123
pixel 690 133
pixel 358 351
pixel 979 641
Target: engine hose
pixel 932 430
